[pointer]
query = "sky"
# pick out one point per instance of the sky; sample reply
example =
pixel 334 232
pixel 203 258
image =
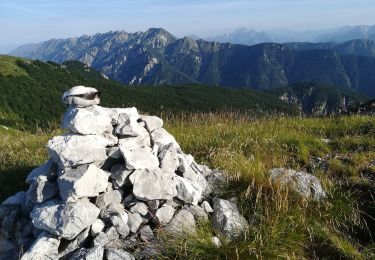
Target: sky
pixel 31 21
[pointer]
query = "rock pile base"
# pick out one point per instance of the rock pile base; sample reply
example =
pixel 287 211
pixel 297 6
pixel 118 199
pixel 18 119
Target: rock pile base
pixel 111 181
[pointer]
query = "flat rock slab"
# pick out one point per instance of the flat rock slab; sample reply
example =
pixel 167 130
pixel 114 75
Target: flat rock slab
pixel 45 247
pixel 141 158
pixel 88 120
pixel 72 150
pixel 64 220
pixel 153 184
pixel 227 220
pixel 305 184
pixel 84 181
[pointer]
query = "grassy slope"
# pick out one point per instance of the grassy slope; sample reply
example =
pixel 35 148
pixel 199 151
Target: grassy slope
pixel 284 225
pixel 35 97
pixel 8 66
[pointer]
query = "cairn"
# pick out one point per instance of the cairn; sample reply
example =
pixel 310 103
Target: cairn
pixel 113 182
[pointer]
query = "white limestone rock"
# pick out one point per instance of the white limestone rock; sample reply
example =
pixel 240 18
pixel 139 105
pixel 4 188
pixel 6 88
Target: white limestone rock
pixel 113 209
pixel 216 241
pixel 119 174
pixel 207 207
pixel 107 238
pixel 88 120
pixel 182 222
pixel 108 197
pixel 198 212
pixel 45 247
pixel 97 227
pixel 185 161
pixel 134 221
pixel 116 254
pixel 161 137
pixel 47 169
pixel 227 220
pixel 42 189
pixel 94 253
pixel 165 214
pixel 71 150
pixel 305 184
pixel 188 191
pixel 116 112
pixel 74 244
pixel 168 158
pixel 120 223
pixel 140 208
pixel 141 158
pixel 64 220
pixel 84 181
pixel 127 125
pixel 152 122
pixel 133 143
pixel 153 184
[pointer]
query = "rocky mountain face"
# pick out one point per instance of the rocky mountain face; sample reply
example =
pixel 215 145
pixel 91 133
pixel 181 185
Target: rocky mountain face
pixel 353 47
pixel 243 36
pixel 348 33
pixel 320 100
pixel 156 57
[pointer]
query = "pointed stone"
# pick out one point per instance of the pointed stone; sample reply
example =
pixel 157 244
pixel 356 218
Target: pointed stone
pixel 152 122
pixel 227 220
pixel 162 138
pixel 188 191
pixel 48 169
pixel 168 158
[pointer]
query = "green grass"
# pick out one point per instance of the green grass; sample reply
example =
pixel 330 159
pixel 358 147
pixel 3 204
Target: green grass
pixel 284 225
pixel 8 66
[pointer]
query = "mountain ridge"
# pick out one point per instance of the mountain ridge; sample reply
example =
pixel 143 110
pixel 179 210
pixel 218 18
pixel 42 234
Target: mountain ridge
pixel 156 57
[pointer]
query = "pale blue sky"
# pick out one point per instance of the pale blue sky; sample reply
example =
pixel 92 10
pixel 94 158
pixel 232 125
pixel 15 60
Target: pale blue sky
pixel 27 21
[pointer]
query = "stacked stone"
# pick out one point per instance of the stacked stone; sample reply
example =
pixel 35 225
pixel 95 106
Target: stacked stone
pixel 112 180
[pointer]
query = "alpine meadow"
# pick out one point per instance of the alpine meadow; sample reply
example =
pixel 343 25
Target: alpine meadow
pixel 148 131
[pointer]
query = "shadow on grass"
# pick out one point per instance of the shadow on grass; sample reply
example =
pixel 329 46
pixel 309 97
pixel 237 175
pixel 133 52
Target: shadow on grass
pixel 12 180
